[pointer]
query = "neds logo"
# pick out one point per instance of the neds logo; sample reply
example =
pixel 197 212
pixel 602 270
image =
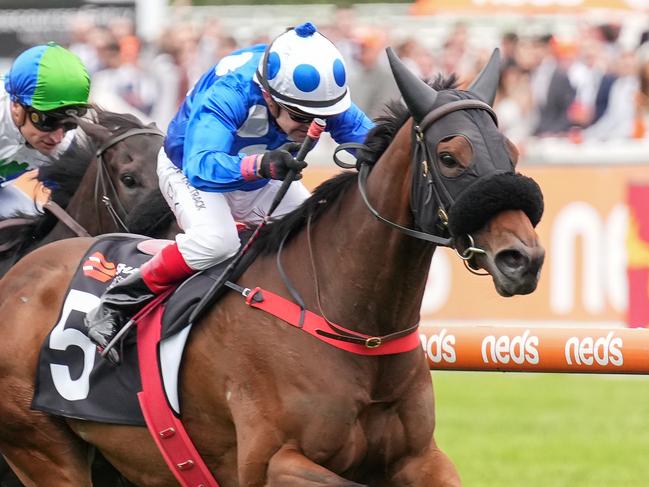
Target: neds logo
pixel 440 347
pixel 605 350
pixel 520 349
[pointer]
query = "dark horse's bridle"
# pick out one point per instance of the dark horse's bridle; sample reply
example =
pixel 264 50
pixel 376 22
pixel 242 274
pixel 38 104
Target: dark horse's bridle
pixel 103 182
pixel 104 186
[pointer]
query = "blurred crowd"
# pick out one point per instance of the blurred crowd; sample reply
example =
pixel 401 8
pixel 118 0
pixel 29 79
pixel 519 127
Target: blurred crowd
pixel 586 88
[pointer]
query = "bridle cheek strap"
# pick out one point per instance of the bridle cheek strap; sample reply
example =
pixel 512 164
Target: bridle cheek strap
pixel 104 181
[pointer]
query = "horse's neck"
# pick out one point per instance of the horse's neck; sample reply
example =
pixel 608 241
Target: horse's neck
pixel 367 271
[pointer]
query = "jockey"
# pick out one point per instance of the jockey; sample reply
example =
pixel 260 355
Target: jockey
pixel 225 156
pixel 45 85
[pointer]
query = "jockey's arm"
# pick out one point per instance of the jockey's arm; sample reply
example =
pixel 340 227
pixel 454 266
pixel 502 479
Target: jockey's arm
pixel 210 135
pixel 350 126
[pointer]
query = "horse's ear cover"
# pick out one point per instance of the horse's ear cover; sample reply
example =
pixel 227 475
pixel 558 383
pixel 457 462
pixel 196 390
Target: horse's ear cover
pixel 418 96
pixel 485 85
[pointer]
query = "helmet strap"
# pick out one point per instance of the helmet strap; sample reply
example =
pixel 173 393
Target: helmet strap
pixel 271 103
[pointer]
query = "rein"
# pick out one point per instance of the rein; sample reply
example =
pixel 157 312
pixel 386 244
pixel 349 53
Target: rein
pixel 65 218
pixel 56 210
pixel 8 223
pixel 343 334
pixel 104 181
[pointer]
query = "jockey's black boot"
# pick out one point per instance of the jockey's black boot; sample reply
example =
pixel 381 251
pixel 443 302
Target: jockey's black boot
pixel 117 305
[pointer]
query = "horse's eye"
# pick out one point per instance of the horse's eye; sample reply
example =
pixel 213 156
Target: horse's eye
pixel 447 159
pixel 128 180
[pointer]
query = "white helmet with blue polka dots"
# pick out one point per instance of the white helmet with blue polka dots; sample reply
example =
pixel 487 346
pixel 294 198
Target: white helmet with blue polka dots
pixel 301 68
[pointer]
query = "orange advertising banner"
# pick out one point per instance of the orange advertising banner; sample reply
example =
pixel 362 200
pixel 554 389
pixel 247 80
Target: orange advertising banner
pixel 430 7
pixel 584 279
pixel 565 350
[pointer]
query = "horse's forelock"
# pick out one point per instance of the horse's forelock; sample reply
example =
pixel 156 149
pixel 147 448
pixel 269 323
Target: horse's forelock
pixel 441 82
pixel 118 123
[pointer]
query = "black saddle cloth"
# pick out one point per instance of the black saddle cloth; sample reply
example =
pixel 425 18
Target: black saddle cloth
pixel 72 379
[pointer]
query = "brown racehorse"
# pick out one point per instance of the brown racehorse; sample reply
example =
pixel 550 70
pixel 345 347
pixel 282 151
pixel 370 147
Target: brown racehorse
pixel 265 403
pixel 122 152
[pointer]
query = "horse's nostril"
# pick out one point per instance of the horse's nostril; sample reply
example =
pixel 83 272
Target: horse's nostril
pixel 510 261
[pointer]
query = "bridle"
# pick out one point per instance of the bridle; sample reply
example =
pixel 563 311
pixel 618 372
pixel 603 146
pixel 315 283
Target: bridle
pixel 443 198
pixel 103 182
pixel 104 185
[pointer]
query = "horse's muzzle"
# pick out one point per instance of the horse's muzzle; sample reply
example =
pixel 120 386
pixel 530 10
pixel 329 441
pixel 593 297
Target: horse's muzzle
pixel 519 268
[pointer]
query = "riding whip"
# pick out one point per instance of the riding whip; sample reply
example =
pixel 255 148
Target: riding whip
pixel 313 135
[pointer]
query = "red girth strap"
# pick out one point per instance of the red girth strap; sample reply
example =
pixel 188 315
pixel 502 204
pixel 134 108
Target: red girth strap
pixel 316 325
pixel 167 430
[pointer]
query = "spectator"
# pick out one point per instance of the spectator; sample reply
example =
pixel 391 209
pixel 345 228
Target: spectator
pixel 641 127
pixel 514 102
pixel 509 48
pixel 586 75
pixel 81 30
pixel 619 118
pixel 122 85
pixel 371 83
pixel 552 93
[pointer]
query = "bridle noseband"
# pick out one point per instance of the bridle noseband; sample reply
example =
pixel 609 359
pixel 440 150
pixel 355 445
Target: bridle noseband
pixel 443 198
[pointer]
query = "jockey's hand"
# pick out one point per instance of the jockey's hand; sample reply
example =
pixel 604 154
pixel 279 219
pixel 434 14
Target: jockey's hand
pixel 275 164
pixel 291 147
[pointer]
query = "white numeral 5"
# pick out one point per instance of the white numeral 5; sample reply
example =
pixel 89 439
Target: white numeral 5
pixel 62 338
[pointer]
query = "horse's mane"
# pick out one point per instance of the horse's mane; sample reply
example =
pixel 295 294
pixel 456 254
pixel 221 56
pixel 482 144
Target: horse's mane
pixel 62 176
pixel 328 193
pixel 152 219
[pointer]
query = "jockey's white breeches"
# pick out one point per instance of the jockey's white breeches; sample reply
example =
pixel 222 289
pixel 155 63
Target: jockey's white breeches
pixel 208 219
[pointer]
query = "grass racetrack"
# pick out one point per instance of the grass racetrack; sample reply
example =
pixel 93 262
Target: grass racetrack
pixel 545 430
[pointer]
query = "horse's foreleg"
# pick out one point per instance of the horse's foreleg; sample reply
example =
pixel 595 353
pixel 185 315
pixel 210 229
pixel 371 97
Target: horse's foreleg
pixel 40 449
pixel 432 469
pixel 290 468
pixel 61 465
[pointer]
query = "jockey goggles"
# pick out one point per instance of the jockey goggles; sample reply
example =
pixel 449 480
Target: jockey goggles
pixel 55 119
pixel 297 115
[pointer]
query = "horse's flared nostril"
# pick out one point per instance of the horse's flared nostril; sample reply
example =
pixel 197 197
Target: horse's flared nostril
pixel 512 262
pixel 519 263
